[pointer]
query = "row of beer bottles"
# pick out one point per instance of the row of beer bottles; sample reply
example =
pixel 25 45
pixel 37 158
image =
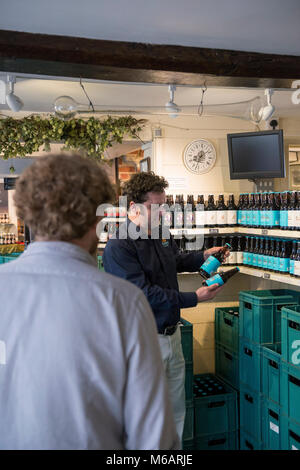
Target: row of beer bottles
pixel 270 210
pixel 200 214
pixel 274 254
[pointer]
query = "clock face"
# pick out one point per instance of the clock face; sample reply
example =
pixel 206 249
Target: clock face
pixel 199 156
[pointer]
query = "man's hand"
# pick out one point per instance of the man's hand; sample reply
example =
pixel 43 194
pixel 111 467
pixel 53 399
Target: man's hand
pixel 214 250
pixel 208 293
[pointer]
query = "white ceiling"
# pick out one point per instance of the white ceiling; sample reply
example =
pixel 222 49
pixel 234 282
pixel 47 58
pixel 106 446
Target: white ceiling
pixel 270 26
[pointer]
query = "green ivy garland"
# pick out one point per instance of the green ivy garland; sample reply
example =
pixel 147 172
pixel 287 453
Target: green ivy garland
pixel 21 137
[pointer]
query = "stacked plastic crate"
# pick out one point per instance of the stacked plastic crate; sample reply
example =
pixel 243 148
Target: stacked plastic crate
pixel 187 349
pixel 260 330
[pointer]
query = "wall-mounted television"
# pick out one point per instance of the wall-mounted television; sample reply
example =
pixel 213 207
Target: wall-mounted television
pixel 256 155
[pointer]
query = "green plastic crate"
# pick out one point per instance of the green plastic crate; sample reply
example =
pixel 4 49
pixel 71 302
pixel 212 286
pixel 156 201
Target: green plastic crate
pixel 250 412
pixel 215 413
pixel 290 436
pixel 9 257
pixel 271 425
pixel 227 366
pixel 227 328
pixel 186 329
pixel 222 441
pixel 188 444
pixel 188 429
pixel 271 372
pixel 100 263
pixel 290 390
pixel 248 442
pixel 290 334
pixel 260 313
pixel 189 375
pixel 250 363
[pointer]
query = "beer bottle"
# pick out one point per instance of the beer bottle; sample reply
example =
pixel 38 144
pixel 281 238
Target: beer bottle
pixel 256 211
pixel 221 212
pixel 297 261
pixel 231 212
pixel 171 206
pixel 284 204
pixel 291 211
pixel 249 221
pixel 293 258
pixel 240 250
pixel 284 260
pixel 245 216
pixel 271 255
pixel 221 278
pixel 276 214
pixel 260 253
pixel 297 212
pixel 166 216
pixel 246 252
pixel 265 255
pixel 213 262
pixel 263 210
pixel 178 214
pixel 255 252
pixel 200 214
pixel 211 216
pixel 239 210
pixel 250 252
pixel 276 256
pixel 188 213
pixel 232 258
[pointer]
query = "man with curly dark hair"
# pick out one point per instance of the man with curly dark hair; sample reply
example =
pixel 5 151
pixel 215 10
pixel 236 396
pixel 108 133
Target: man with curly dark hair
pixel 152 262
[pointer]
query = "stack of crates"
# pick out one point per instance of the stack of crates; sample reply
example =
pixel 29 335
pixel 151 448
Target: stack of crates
pixel 216 419
pixel 227 345
pixel 260 334
pixel 186 329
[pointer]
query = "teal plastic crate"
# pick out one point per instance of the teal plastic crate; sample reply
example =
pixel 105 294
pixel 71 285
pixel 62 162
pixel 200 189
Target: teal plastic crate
pixel 9 257
pixel 290 334
pixel 215 406
pixel 290 390
pixel 271 425
pixel 248 442
pixel 227 328
pixel 100 263
pixel 260 313
pixel 250 412
pixel 189 376
pixel 223 441
pixel 186 329
pixel 290 436
pixel 188 444
pixel 227 366
pixel 250 363
pixel 271 372
pixel 188 429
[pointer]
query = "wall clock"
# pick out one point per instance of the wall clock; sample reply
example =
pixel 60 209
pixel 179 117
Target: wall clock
pixel 199 156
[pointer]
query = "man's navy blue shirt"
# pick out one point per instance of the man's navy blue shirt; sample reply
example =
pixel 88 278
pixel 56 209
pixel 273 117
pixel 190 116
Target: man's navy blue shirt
pixel 152 265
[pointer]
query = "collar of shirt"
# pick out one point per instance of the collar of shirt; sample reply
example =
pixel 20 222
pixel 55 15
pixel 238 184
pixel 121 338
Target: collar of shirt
pixel 59 248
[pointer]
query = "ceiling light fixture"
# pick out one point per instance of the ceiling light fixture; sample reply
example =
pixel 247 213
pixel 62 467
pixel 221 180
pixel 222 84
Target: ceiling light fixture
pixel 65 107
pixel 267 111
pixel 172 107
pixel 13 101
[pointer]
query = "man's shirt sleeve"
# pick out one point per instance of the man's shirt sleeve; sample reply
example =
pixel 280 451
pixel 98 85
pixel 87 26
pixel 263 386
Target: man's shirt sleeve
pixel 121 260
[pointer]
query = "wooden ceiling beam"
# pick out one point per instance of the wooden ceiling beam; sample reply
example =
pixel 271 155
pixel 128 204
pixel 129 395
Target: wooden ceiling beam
pixel 68 56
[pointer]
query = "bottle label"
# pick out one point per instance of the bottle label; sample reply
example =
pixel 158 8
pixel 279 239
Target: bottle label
pixel 221 217
pixel 215 280
pixel 265 261
pixel 262 217
pixel 292 266
pixel 210 265
pixel 283 218
pixel 254 259
pixel 200 218
pixel 231 217
pixel 239 216
pixel 255 218
pixel 276 219
pixel 284 264
pixel 297 268
pixel 270 262
pixel 178 219
pixel 232 258
pixel 276 263
pixel 239 257
pixel 267 218
pixel 211 217
pixel 250 258
pixel 297 219
pixel 189 218
pixel 259 260
pixel 167 219
pixel 291 218
pixel 243 217
pixel 245 257
pixel 248 217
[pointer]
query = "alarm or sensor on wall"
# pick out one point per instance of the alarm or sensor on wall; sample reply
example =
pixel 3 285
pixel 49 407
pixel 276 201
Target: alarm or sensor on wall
pixel 199 156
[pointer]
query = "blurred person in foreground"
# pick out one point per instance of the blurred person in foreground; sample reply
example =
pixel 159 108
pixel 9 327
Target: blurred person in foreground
pixel 80 366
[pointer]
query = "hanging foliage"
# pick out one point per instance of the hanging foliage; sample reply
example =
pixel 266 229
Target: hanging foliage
pixel 22 137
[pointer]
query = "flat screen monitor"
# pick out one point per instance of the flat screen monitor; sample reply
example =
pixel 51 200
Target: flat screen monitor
pixel 256 155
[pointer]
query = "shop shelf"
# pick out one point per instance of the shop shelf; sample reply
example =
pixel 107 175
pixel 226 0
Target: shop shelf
pixel 189 374
pixel 186 329
pixel 290 436
pixel 271 372
pixel 260 313
pixel 290 390
pixel 271 425
pixel 248 442
pixel 250 364
pixel 250 412
pixel 222 441
pixel 227 328
pixel 188 430
pixel 215 406
pixel 227 366
pixel 290 334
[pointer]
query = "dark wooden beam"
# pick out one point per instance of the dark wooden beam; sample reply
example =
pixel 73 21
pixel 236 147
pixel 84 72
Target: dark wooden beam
pixel 137 62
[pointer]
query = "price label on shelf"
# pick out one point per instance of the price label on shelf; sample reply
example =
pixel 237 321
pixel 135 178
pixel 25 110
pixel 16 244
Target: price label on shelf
pixel 213 230
pixel 267 276
pixel 264 232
